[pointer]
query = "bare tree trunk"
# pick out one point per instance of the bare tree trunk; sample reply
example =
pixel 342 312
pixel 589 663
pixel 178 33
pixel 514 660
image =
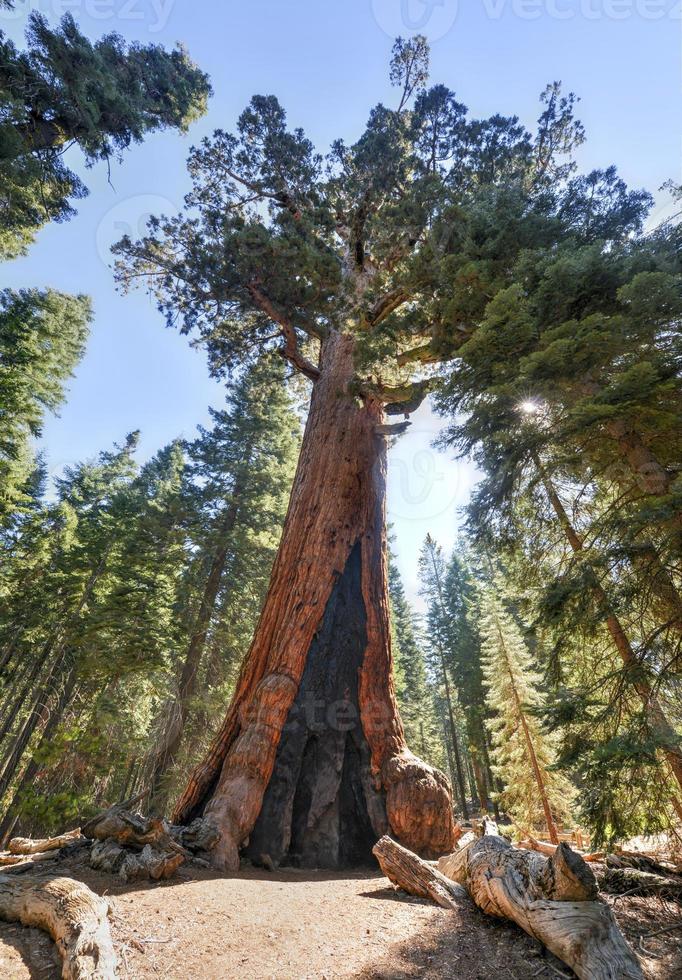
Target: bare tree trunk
pixel 39 714
pixel 480 784
pixel 14 706
pixel 311 762
pixel 494 784
pixel 446 682
pixel 454 738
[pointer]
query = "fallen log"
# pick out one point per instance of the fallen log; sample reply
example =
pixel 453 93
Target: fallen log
pixel 553 899
pixel 415 876
pixel 6 858
pixel 25 845
pixel 25 862
pixel 642 862
pixel 75 917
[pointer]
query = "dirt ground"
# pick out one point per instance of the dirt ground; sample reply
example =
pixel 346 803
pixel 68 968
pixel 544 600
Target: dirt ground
pixel 302 925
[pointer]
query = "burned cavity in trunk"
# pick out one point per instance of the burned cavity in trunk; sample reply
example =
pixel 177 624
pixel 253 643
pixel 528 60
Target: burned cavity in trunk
pixel 310 765
pixel 321 808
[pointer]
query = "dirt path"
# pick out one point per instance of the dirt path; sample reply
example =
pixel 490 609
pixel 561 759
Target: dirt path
pixel 307 926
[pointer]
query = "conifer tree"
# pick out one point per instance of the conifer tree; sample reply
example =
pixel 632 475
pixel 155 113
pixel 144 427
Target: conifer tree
pixel 432 574
pixel 464 657
pixel 521 389
pixel 413 687
pixel 362 270
pixel 42 338
pixel 522 752
pixel 63 89
pixel 45 627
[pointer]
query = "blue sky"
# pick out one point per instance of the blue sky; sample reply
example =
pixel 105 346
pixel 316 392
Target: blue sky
pixel 327 62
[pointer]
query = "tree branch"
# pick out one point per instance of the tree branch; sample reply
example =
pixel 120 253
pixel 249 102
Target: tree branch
pixel 418 355
pixel 291 350
pixel 386 305
pixel 401 399
pixel 283 198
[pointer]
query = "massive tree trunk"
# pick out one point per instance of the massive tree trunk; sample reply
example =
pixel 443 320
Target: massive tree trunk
pixel 311 761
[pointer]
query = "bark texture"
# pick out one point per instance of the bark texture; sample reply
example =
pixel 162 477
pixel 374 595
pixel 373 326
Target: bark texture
pixel 74 916
pixel 416 877
pixel 327 604
pixel 553 900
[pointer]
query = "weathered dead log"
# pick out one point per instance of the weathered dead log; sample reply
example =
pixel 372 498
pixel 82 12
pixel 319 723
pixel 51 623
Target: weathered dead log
pixel 25 845
pixel 25 862
pixel 618 881
pixel 134 846
pixel 553 900
pixel 6 858
pixel 407 871
pixel 131 829
pixel 110 857
pixel 75 917
pixel 642 862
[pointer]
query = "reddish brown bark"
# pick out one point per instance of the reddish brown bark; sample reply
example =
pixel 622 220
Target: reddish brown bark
pixel 337 505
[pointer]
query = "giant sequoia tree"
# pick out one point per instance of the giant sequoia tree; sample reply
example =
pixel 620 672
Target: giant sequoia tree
pixel 360 266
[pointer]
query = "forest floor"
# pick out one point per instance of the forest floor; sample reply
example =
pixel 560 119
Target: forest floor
pixel 302 925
